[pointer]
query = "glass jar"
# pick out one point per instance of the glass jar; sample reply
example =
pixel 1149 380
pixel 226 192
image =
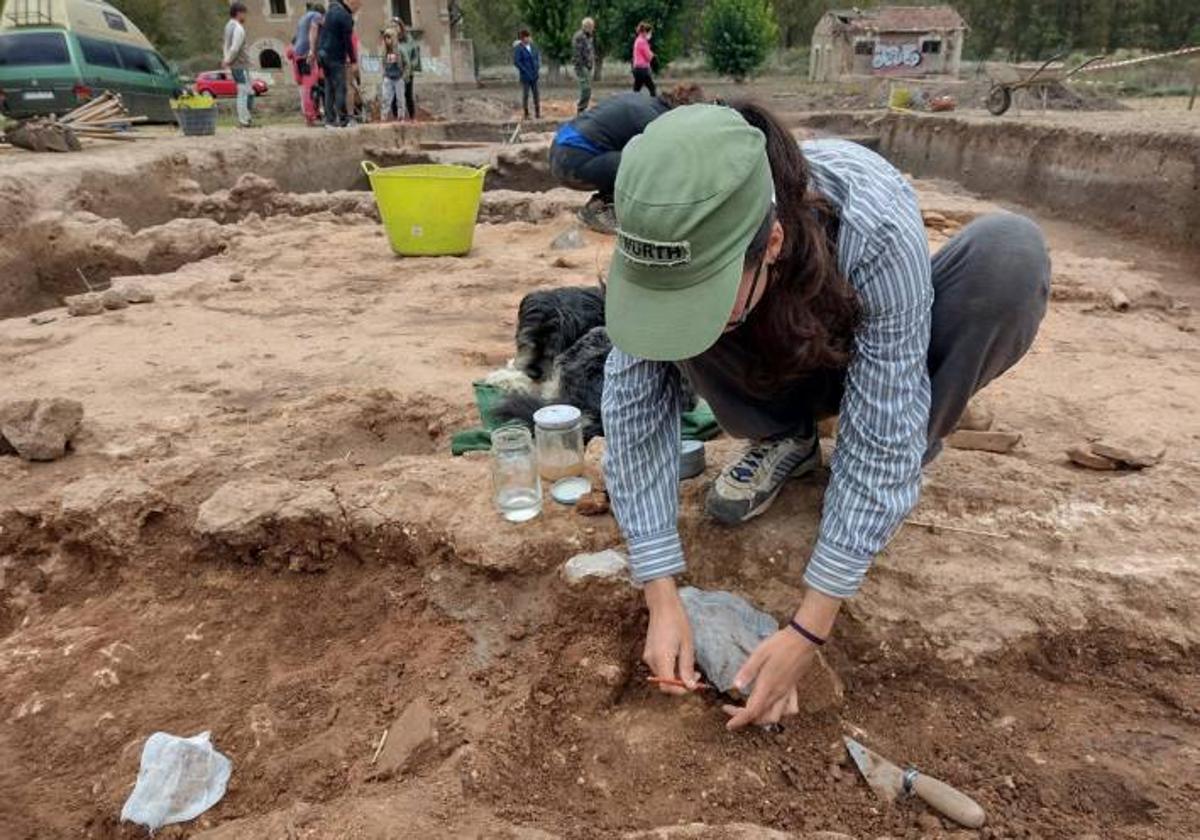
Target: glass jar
pixel 515 479
pixel 559 430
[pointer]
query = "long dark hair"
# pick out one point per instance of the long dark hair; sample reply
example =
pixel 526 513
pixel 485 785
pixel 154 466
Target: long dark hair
pixel 806 320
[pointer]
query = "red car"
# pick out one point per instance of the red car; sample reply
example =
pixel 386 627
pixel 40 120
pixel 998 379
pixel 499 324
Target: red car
pixel 220 83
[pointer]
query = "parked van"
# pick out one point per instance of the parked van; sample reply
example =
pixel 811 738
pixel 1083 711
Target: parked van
pixel 57 54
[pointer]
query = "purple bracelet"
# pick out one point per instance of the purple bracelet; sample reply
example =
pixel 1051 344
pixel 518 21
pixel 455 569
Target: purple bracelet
pixel 812 637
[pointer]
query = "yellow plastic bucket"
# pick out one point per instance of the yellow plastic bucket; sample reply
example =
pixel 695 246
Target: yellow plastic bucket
pixel 428 210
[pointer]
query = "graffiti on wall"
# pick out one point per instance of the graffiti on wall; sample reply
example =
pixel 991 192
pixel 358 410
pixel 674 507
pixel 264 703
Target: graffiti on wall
pixel 896 58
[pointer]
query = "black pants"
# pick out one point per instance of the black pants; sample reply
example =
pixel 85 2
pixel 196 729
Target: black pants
pixel 410 102
pixel 335 94
pixel 526 89
pixel 643 79
pixel 991 284
pixel 578 169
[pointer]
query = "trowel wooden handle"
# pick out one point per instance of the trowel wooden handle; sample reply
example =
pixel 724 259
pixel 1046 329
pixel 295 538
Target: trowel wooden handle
pixel 953 803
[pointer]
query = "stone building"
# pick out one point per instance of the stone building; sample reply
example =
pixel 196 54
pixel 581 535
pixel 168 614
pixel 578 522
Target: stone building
pixel 887 41
pixel 436 24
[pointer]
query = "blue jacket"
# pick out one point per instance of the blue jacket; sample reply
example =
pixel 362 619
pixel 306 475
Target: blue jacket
pixel 527 61
pixel 337 46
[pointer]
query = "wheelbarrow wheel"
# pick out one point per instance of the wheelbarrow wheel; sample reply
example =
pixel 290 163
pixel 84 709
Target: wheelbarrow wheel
pixel 999 99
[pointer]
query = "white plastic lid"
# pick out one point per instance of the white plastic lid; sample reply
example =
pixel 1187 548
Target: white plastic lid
pixel 568 491
pixel 557 416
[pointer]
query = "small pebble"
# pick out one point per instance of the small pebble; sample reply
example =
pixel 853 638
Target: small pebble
pixel 114 299
pixel 86 304
pixel 929 822
pixel 237 277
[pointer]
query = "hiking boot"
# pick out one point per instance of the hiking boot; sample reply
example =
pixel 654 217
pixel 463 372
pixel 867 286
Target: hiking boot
pixel 747 487
pixel 599 215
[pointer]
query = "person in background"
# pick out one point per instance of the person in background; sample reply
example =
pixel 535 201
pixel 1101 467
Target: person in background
pixel 584 47
pixel 411 51
pixel 355 103
pixel 392 106
pixel 304 59
pixel 528 62
pixel 587 151
pixel 335 51
pixel 643 58
pixel 237 60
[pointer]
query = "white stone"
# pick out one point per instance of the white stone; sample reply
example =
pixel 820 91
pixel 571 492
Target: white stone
pixel 605 565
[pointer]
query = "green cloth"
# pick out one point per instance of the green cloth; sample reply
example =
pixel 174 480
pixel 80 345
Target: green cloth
pixel 470 440
pixel 698 424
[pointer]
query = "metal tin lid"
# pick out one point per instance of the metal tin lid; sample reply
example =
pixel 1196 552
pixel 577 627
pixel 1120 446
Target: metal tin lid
pixel 568 491
pixel 691 459
pixel 557 417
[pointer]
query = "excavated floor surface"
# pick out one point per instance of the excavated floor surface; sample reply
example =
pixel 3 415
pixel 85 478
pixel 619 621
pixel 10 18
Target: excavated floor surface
pixel 1047 665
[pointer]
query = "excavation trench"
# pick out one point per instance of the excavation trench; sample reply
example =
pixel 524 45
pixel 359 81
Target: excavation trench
pixel 74 230
pixel 1130 182
pixel 534 687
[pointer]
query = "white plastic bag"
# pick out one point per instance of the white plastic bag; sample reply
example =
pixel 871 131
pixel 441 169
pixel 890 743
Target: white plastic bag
pixel 180 779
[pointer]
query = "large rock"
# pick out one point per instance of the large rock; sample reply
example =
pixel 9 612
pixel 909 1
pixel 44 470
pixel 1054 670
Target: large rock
pixel 40 430
pixel 241 506
pixel 276 522
pixel 1134 452
pixel 114 504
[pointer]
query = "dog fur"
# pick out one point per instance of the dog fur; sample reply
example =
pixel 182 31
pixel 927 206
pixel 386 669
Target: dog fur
pixel 562 346
pixel 549 322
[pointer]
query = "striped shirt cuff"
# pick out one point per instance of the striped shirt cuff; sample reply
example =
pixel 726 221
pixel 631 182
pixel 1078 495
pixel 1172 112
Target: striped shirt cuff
pixel 835 572
pixel 656 556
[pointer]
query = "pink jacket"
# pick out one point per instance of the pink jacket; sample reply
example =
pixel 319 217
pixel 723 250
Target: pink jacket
pixel 642 54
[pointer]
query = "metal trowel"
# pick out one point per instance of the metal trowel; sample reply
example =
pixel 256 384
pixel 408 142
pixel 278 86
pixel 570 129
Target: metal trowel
pixel 889 781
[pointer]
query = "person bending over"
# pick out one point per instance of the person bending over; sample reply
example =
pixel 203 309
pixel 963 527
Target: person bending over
pixel 789 283
pixel 587 151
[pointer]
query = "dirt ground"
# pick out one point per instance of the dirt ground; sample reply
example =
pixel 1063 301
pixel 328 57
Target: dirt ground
pixel 261 533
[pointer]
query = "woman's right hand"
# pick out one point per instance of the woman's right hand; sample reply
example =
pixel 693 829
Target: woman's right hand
pixel 669 651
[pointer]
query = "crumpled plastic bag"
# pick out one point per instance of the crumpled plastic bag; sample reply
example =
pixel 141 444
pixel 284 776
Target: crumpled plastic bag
pixel 180 779
pixel 725 631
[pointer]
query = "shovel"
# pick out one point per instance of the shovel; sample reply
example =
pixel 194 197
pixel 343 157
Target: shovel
pixel 889 781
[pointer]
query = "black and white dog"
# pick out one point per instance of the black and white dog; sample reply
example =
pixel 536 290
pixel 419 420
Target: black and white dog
pixel 550 322
pixel 561 349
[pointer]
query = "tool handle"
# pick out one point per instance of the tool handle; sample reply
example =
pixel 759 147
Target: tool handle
pixel 953 803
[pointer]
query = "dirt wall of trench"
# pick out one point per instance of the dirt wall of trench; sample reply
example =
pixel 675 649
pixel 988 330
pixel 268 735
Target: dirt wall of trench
pixel 1141 183
pixel 66 218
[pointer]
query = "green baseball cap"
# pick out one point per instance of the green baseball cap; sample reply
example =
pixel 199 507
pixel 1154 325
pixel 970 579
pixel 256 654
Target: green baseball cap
pixel 691 193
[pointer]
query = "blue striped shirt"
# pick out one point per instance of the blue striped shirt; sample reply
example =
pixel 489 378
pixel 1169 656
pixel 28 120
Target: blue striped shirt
pixel 876 469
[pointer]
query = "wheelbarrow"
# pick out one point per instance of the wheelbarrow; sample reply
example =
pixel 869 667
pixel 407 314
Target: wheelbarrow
pixel 1000 97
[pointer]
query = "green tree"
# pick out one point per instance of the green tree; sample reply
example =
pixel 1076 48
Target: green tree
pixel 617 20
pixel 492 25
pixel 739 35
pixel 552 23
pixel 152 17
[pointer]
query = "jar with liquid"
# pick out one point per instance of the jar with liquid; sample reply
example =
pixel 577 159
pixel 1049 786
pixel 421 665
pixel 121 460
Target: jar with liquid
pixel 559 431
pixel 515 479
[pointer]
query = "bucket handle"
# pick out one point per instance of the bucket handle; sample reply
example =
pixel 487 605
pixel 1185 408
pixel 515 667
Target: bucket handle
pixel 369 167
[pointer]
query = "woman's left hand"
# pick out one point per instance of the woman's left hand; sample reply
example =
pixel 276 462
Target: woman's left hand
pixel 775 668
